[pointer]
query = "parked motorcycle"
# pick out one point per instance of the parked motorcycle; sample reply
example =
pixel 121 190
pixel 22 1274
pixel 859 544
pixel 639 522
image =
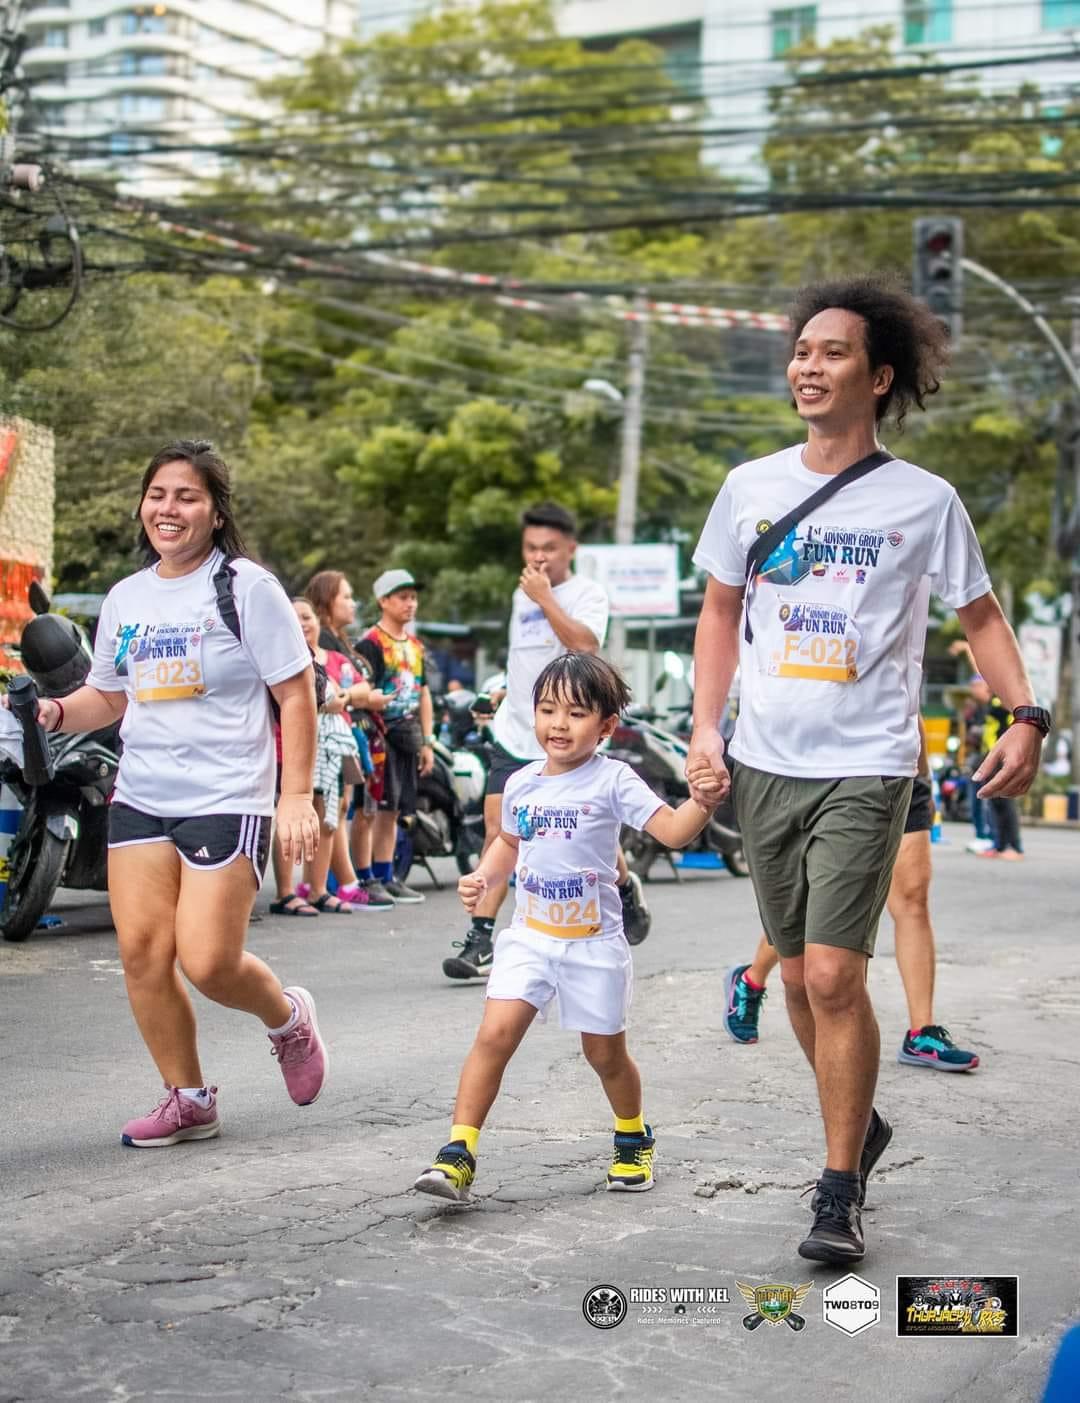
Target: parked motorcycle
pixel 659 757
pixel 449 818
pixel 62 835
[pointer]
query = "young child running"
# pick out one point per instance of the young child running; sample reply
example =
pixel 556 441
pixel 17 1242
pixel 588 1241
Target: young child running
pixel 561 819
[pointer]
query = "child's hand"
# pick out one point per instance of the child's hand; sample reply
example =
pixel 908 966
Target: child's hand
pixel 701 775
pixel 703 798
pixel 471 887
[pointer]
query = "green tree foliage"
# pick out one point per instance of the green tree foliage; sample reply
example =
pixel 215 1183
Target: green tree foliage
pixel 408 421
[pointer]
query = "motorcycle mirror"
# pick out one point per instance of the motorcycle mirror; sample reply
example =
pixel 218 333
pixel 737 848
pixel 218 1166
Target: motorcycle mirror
pixel 38 599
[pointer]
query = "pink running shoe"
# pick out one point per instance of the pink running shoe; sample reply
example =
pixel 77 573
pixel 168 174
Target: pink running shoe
pixel 355 896
pixel 302 1054
pixel 177 1118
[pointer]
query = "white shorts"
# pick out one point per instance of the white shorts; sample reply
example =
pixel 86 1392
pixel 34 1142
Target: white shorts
pixel 591 981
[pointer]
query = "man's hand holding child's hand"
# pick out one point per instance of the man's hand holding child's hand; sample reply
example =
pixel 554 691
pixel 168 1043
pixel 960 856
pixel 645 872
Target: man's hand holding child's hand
pixel 705 788
pixel 471 888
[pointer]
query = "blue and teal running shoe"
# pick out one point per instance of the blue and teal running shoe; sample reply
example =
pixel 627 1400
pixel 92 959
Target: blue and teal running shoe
pixel 933 1047
pixel 741 1005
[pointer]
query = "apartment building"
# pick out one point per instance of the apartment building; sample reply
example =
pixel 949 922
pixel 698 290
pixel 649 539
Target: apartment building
pixel 111 81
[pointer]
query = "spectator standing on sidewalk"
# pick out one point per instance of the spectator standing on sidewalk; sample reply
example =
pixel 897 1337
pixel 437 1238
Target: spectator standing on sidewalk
pixel 332 598
pixel 1005 813
pixel 337 767
pixel 828 630
pixel 396 657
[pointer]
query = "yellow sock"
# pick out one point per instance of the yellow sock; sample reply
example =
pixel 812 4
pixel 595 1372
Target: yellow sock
pixel 634 1126
pixel 469 1133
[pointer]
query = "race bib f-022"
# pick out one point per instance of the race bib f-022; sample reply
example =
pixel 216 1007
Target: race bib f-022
pixel 816 642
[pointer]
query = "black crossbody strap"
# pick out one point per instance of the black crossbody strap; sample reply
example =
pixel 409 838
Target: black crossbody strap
pixel 766 543
pixel 222 581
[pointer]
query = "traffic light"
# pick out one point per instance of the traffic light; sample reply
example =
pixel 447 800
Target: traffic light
pixel 939 271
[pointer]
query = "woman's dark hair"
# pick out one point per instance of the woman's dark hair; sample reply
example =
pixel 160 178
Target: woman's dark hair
pixel 900 331
pixel 321 591
pixel 215 478
pixel 584 680
pixel 552 515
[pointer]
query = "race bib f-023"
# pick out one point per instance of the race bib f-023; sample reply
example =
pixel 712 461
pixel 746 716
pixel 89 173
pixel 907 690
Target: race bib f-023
pixel 815 642
pixel 166 663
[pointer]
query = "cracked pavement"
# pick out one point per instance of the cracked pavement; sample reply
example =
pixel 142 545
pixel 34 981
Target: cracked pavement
pixel 288 1259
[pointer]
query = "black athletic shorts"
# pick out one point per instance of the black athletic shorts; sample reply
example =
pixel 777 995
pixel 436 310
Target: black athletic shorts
pixel 502 766
pixel 920 814
pixel 401 775
pixel 206 843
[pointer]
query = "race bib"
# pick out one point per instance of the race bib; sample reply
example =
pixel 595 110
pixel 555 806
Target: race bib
pixel 532 629
pixel 815 642
pixel 567 906
pixel 167 664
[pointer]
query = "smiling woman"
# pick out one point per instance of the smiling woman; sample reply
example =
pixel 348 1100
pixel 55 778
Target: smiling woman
pixel 190 820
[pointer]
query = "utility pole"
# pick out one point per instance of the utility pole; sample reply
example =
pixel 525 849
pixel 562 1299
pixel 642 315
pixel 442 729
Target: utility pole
pixel 630 460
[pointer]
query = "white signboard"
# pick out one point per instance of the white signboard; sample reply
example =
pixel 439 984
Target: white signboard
pixel 1040 645
pixel 641 581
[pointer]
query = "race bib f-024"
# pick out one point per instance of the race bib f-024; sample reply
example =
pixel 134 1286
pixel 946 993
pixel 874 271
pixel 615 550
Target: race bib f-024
pixel 566 906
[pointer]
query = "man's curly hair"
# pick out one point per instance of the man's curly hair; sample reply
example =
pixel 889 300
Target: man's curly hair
pixel 900 331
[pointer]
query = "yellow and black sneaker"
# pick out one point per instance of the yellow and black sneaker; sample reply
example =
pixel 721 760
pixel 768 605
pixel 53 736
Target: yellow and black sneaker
pixel 450 1175
pixel 632 1163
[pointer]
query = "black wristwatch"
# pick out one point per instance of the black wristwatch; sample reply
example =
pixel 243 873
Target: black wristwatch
pixel 1036 716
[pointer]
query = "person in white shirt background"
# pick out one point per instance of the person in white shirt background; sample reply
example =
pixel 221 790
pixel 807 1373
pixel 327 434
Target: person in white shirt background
pixel 190 819
pixel 554 611
pixel 829 633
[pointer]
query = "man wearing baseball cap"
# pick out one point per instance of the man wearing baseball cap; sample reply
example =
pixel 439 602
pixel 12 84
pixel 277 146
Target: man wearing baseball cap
pixel 397 663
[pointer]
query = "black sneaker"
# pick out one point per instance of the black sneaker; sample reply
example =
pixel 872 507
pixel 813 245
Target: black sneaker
pixel 476 958
pixel 636 916
pixel 878 1134
pixel 837 1232
pixel 401 894
pixel 378 898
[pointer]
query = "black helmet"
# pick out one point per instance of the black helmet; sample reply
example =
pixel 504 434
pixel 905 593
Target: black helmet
pixel 56 654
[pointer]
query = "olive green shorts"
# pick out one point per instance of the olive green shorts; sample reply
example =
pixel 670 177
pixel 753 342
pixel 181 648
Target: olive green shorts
pixel 821 854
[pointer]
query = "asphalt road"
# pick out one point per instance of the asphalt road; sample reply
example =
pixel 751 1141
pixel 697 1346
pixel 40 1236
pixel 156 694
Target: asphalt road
pixel 288 1260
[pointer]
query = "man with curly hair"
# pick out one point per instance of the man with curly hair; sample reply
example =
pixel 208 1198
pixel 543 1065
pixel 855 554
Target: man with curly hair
pixel 829 632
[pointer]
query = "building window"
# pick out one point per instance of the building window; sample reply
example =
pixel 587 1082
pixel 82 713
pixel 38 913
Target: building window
pixel 55 38
pixel 138 22
pixel 928 22
pixel 1061 14
pixel 53 114
pixel 97 27
pixel 147 64
pixel 791 27
pixel 147 107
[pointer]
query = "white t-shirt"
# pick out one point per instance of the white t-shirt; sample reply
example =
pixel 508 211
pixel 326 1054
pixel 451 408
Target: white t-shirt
pixel 534 644
pixel 568 829
pixel 198 729
pixel 830 683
